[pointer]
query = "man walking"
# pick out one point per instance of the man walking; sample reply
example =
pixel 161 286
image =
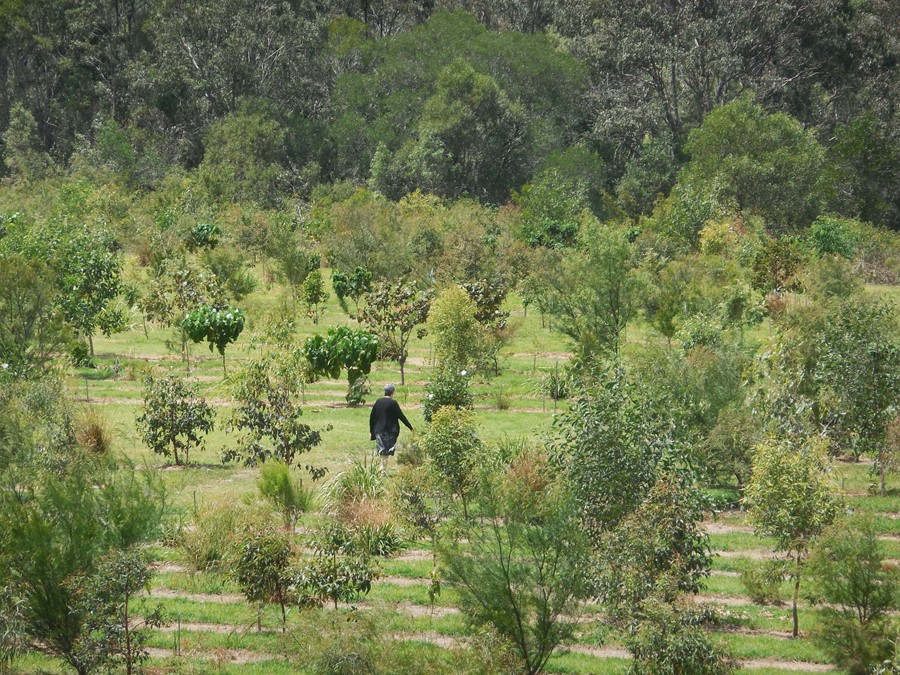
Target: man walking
pixel 384 425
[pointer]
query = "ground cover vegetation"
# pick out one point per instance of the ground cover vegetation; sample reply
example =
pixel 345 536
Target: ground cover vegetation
pixel 634 267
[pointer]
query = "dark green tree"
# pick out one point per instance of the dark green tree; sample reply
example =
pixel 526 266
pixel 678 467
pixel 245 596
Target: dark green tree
pixel 173 418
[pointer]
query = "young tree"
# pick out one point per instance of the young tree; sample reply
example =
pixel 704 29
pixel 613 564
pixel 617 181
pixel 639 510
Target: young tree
pixel 174 418
pixel 522 571
pixel 313 294
pixel 858 372
pixel 219 327
pixel 31 327
pixel 458 337
pixel 112 633
pixel 597 291
pixel 454 451
pixel 295 264
pixel 268 410
pixel 610 444
pixel 847 571
pixel 89 278
pixel 338 571
pixel 343 347
pixel 177 289
pixel 261 570
pixel 285 491
pixel 393 311
pixel 353 285
pixel 56 532
pixel 790 499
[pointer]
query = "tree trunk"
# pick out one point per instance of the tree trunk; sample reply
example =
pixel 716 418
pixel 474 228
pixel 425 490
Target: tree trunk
pixel 402 360
pixel 91 343
pixel 796 595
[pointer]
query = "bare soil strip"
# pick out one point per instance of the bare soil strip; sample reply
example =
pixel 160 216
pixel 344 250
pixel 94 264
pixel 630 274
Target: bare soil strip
pixel 216 598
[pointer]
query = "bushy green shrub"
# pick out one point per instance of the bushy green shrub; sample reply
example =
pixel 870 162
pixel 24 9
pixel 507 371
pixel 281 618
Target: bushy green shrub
pixel 208 546
pixel 285 491
pixel 449 388
pixel 762 581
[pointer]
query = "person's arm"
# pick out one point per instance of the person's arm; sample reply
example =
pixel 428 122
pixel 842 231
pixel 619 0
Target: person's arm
pixel 402 418
pixel 372 424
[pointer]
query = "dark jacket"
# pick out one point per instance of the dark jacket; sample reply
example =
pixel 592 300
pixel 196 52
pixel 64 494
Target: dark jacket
pixel 385 417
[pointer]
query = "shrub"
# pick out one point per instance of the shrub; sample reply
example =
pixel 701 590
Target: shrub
pixel 285 491
pixel 91 433
pixel 671 640
pixel 449 388
pixel 762 582
pixel 361 481
pixel 208 546
pixel 453 448
pixel 522 570
pixel 261 569
pixel 57 529
pixel 848 572
pixel 173 417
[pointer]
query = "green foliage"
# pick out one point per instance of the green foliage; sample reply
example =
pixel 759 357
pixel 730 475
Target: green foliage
pixel 218 326
pixel 767 164
pixel 669 640
pixel 454 450
pixel 658 551
pixel 337 572
pixel 173 418
pixel 177 289
pixel 521 571
pixel 448 388
pixel 277 484
pixel 268 411
pixel 209 545
pixel 763 580
pixel 113 635
pixel 13 631
pixel 241 162
pixel 295 265
pixel 56 533
pixel 261 569
pixel 596 292
pixel 353 285
pixel 443 121
pixel 88 276
pixel 343 348
pixel 313 294
pixel 790 499
pixel 833 236
pixel 31 325
pixel 551 205
pixel 648 175
pixel 777 264
pixel 847 571
pixel 609 445
pixel 230 269
pixel 393 311
pixel 25 157
pixel 456 333
pixel 204 235
pixel 361 481
pixel 858 371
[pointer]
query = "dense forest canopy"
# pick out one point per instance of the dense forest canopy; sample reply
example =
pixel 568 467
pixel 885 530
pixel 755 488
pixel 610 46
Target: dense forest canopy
pixel 453 98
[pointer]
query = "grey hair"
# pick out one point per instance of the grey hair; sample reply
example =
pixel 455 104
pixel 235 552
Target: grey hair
pixel 389 389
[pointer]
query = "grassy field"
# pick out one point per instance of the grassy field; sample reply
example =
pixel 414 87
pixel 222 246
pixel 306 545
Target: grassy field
pixel 218 628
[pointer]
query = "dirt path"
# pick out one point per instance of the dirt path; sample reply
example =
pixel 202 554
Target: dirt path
pixel 214 598
pixel 219 655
